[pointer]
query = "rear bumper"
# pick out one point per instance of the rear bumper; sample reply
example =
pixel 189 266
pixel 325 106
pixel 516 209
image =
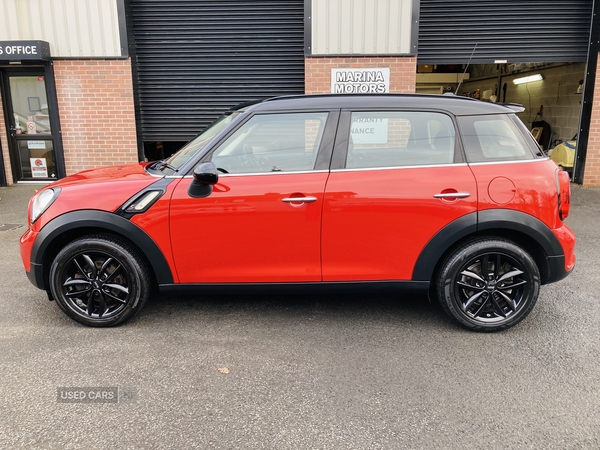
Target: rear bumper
pixel 561 266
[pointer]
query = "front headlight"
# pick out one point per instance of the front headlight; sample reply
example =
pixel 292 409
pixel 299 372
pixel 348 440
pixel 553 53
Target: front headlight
pixel 42 201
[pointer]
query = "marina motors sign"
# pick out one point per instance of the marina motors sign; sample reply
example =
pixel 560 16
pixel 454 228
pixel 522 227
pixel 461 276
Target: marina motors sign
pixel 24 50
pixel 360 81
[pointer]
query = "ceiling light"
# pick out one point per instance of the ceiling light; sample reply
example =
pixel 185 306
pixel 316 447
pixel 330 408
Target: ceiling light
pixel 536 77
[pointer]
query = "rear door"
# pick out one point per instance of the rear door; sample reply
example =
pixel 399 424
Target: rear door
pixel 398 177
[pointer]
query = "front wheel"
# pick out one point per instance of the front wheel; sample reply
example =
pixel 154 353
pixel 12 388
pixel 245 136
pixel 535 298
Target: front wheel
pixel 99 281
pixel 488 284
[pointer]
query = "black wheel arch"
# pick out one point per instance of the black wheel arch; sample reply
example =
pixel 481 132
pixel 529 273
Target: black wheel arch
pixel 523 229
pixel 72 225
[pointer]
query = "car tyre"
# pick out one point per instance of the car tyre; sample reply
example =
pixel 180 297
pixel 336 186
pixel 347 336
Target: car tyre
pixel 488 284
pixel 99 281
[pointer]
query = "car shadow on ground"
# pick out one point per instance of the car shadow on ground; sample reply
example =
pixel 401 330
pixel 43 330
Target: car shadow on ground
pixel 365 307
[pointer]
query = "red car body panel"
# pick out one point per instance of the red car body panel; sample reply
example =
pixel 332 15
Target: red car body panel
pixel 243 232
pixel 104 189
pixel 521 186
pixel 377 222
pixel 155 223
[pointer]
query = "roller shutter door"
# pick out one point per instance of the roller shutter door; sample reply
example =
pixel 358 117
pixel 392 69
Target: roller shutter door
pixel 515 30
pixel 194 59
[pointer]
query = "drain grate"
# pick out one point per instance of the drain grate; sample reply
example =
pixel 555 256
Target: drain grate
pixel 9 226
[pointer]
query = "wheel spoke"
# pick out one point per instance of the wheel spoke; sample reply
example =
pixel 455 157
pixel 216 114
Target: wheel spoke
pixel 468 273
pixel 511 274
pixel 511 286
pixel 469 286
pixel 114 297
pixel 104 266
pixel 485 266
pixel 497 307
pixel 90 305
pixel 102 307
pixel 481 307
pixel 76 282
pixel 509 301
pixel 118 287
pixel 78 292
pixel 83 272
pixel 497 267
pixel 92 266
pixel 113 274
pixel 472 300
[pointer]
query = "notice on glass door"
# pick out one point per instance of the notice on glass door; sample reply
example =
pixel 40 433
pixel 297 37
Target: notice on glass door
pixel 38 167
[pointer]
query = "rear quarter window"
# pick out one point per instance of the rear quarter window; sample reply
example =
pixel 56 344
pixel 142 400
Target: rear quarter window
pixel 490 138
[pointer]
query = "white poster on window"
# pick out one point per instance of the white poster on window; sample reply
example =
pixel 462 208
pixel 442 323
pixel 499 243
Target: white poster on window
pixel 369 130
pixel 38 168
pixel 360 81
pixel 36 145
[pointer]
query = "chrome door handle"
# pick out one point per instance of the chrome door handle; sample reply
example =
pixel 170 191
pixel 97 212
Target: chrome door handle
pixel 453 195
pixel 299 199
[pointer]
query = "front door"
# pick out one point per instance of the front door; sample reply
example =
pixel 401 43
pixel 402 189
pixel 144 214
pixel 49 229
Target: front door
pixel 262 221
pixel 30 133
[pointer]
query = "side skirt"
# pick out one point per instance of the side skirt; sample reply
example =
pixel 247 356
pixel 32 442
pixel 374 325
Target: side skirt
pixel 406 287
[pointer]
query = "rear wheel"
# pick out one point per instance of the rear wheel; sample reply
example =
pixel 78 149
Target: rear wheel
pixel 99 281
pixel 488 284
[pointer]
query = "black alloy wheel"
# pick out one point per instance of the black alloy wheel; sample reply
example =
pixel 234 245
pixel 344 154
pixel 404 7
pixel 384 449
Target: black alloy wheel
pixel 99 281
pixel 489 284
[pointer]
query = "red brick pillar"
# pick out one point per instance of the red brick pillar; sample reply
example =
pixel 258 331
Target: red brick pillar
pixel 591 176
pixel 97 116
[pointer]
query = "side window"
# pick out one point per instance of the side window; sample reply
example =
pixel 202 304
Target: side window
pixel 492 138
pixel 394 139
pixel 285 142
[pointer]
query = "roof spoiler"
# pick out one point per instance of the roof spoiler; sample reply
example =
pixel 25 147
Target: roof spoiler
pixel 514 106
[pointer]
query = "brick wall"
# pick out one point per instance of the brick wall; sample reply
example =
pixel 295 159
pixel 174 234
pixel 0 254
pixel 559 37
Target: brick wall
pixel 4 143
pixel 591 176
pixel 95 101
pixel 403 71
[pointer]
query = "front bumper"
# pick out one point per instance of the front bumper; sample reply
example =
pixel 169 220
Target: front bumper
pixel 34 271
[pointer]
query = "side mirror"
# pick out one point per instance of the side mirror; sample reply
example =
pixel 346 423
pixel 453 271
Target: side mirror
pixel 205 176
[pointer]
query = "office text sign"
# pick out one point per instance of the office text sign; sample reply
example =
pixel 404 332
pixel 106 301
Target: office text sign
pixel 360 81
pixel 24 50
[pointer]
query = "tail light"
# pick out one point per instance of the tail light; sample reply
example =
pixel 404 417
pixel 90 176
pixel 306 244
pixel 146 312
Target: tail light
pixel 563 187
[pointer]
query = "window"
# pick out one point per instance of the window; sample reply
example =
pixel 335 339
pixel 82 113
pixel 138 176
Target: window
pixel 392 139
pixel 493 138
pixel 272 143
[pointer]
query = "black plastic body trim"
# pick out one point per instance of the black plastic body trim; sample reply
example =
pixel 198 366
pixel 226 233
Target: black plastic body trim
pixel 416 287
pixel 524 223
pixel 504 219
pixel 101 220
pixel 440 243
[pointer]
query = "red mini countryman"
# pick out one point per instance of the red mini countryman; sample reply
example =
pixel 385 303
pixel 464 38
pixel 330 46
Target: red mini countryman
pixel 437 194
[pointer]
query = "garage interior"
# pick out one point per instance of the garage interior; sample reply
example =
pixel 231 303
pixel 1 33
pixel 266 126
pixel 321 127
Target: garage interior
pixel 551 93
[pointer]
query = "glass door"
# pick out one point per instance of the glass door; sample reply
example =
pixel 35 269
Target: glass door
pixel 31 142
